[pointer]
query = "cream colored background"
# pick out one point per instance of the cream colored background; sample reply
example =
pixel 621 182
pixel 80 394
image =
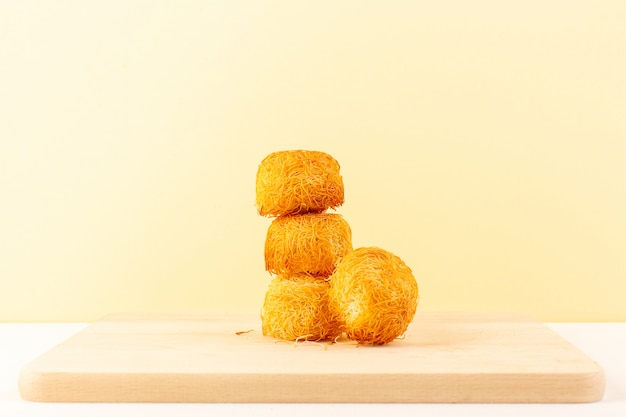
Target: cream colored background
pixel 484 142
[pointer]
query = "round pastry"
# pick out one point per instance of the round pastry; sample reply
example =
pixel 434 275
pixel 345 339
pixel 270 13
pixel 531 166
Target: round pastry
pixel 296 182
pixel 297 309
pixel 374 294
pixel 307 244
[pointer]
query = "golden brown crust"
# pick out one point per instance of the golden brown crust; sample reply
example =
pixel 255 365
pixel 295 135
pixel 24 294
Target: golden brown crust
pixel 297 309
pixel 308 244
pixel 375 295
pixel 297 182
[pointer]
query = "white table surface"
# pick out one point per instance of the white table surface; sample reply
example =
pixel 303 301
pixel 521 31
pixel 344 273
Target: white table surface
pixel 21 343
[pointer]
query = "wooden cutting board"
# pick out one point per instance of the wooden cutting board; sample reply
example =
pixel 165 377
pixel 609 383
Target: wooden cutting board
pixel 444 357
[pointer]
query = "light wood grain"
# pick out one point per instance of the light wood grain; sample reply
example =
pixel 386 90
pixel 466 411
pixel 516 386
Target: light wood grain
pixel 444 357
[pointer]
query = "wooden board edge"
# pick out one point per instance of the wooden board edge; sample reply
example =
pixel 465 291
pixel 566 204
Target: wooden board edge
pixel 583 387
